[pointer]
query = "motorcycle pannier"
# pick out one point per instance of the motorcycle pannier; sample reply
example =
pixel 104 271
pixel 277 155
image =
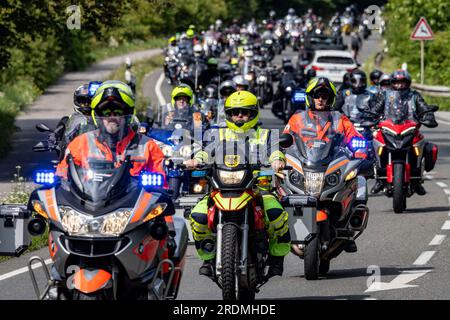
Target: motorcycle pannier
pixel 14 235
pixel 430 153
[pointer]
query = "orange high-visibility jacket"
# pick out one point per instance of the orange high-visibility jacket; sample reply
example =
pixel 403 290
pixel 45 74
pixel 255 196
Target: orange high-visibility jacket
pixel 144 153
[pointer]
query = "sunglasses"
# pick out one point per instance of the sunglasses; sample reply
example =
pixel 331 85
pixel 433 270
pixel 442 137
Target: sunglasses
pixel 237 112
pixel 110 112
pixel 324 95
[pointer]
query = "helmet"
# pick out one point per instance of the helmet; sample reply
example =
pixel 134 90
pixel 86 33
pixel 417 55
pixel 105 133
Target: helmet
pixel 358 81
pixel 291 11
pixel 227 88
pixel 385 80
pixel 242 100
pixel 346 79
pixel 317 85
pixel 260 61
pixel 272 13
pixel 239 80
pixel 375 76
pixel 82 99
pixel 172 39
pixel 401 75
pixel 113 97
pixel 198 49
pixel 191 26
pixel 218 23
pixel 210 91
pixel 311 73
pixel 212 62
pixel 183 90
pixel 190 33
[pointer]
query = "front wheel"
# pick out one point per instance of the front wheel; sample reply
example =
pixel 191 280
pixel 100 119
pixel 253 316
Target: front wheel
pixel 399 194
pixel 311 259
pixel 229 262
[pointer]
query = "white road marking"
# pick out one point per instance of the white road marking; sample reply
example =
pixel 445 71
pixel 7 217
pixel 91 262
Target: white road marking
pixel 160 96
pixel 446 225
pixel 22 270
pixel 437 240
pixel 400 282
pixel 442 185
pixel 428 177
pixel 424 258
pixel 447 191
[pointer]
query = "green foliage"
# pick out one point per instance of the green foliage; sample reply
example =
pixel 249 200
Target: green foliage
pixel 401 17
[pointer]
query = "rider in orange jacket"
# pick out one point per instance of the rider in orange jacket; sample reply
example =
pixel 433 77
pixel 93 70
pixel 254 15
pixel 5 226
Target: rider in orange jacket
pixel 116 136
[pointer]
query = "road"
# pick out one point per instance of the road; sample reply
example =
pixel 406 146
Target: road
pixel 405 254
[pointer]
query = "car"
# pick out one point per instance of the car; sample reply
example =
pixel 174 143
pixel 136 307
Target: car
pixel 332 64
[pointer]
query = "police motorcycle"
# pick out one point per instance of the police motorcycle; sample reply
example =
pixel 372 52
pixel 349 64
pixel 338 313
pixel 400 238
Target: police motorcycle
pixel 325 196
pixel 111 235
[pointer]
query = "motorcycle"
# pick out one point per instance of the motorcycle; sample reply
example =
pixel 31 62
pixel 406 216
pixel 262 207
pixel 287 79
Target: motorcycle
pixel 112 236
pixel 236 217
pixel 264 86
pixel 325 198
pixel 402 155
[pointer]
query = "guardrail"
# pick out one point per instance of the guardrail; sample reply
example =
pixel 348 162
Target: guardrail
pixel 433 91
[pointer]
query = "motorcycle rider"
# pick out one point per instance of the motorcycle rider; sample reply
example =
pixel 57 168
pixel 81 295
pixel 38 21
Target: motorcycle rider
pixel 375 76
pixel 385 82
pixel 77 123
pixel 413 106
pixel 346 84
pixel 320 119
pixel 242 84
pixel 226 89
pixel 181 106
pixel 355 99
pixel 113 112
pixel 242 115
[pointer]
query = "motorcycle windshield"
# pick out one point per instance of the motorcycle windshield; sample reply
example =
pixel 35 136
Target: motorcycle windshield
pixel 316 152
pixel 100 180
pixel 398 107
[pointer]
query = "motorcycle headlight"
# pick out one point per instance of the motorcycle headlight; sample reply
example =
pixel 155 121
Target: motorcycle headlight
pixel 231 177
pixel 352 174
pixel 389 131
pixel 78 224
pixel 332 179
pixel 313 182
pixel 262 79
pixel 288 89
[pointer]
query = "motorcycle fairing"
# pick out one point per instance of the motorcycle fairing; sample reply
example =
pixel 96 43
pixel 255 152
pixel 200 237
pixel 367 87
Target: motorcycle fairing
pixel 88 281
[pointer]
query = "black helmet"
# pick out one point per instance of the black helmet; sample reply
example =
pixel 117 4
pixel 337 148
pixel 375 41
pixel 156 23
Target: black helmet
pixel 227 88
pixel 385 80
pixel 375 76
pixel 311 73
pixel 401 76
pixel 259 61
pixel 358 81
pixel 82 99
pixel 346 79
pixel 210 91
pixel 318 85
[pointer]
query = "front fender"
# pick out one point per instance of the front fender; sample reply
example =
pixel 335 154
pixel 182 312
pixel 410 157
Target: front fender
pixel 88 281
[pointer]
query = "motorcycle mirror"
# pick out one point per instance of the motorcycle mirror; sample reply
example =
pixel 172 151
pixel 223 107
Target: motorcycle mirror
pixel 36 226
pixel 286 140
pixel 41 146
pixel 41 127
pixel 433 108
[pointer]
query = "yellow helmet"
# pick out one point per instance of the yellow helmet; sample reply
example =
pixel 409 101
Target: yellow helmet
pixel 183 90
pixel 172 39
pixel 115 93
pixel 242 100
pixel 190 33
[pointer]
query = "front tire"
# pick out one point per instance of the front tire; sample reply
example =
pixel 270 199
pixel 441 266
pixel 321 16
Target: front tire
pixel 399 194
pixel 229 262
pixel 311 259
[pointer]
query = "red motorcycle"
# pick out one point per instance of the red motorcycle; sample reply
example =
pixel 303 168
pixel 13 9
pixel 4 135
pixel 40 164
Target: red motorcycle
pixel 402 154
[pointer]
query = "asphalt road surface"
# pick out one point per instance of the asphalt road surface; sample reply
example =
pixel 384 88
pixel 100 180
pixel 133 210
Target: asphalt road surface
pixel 400 256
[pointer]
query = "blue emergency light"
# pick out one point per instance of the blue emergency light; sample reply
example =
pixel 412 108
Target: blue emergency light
pixel 152 179
pixel 93 86
pixel 358 143
pixel 45 177
pixel 299 97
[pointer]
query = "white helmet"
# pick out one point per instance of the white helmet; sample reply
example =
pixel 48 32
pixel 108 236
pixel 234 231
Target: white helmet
pixel 198 49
